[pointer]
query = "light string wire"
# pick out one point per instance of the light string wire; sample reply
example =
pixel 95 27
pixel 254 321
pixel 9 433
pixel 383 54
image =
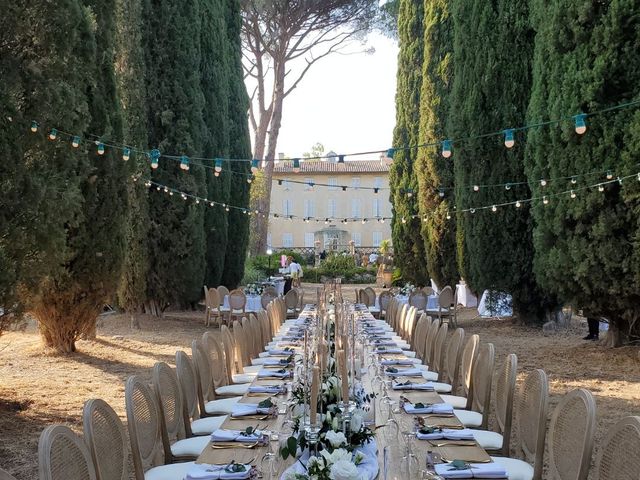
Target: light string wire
pixel 390 152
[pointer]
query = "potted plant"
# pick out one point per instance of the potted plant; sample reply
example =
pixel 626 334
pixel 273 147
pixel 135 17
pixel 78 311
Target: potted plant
pixel 385 268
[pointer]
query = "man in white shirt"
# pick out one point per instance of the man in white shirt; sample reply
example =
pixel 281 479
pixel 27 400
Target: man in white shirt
pixel 373 258
pixel 296 272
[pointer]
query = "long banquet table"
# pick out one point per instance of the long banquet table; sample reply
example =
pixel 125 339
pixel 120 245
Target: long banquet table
pixel 447 450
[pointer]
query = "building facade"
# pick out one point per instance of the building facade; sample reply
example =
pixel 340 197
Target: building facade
pixel 330 202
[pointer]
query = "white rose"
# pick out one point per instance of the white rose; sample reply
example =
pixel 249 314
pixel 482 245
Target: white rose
pixel 336 439
pixel 334 423
pixel 298 410
pixel 344 470
pixel 356 421
pixel 337 455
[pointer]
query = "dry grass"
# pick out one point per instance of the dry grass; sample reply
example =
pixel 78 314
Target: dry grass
pixel 37 390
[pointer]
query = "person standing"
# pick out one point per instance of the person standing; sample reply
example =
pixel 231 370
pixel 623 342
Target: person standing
pixel 594 329
pixel 296 272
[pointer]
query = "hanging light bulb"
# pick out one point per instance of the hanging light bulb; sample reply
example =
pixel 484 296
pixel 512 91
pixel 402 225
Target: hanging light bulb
pixel 100 148
pixel 340 158
pixel 254 165
pixel 344 188
pixel 619 181
pixel 211 204
pixel 197 201
pixel 250 179
pixel 543 182
pixel 473 210
pixel 574 180
pixel 296 165
pixel 126 154
pixel 75 143
pixel 184 197
pixel 391 152
pixel 404 220
pixel 545 200
pixel 448 216
pixel 409 193
pixel 166 189
pixel 218 167
pixel 171 193
pixel 184 163
pixel 609 175
pixel 382 220
pixel 158 188
pixel 326 221
pixel 518 204
pixel 476 188
pixel 364 220
pixel 494 209
pixel 507 186
pixel 155 158
pixel 446 148
pixel 573 194
pixel 581 124
pixel 601 188
pixel 509 139
pixel 34 126
pixel 226 209
pixel 53 134
pixel 441 192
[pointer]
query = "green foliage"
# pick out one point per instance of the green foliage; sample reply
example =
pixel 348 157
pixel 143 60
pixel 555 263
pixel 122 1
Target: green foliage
pixel 586 249
pixel 431 169
pixel 407 241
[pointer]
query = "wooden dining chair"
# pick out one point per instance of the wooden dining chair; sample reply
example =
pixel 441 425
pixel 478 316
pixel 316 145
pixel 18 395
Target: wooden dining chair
pixel 4 475
pixel 619 454
pixel 467 361
pixel 106 440
pixel 237 304
pixel 383 302
pixel 418 299
pixel 291 301
pixel 478 414
pixel 452 359
pixel 63 455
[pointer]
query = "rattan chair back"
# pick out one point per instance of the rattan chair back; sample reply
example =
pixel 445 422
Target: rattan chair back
pixel 237 300
pixel 63 455
pixel 265 329
pixel 265 299
pixel 402 316
pixel 106 440
pixel 505 392
pixel 300 299
pixel 383 300
pixel 242 346
pixel 430 340
pixel 410 323
pixel 619 455
pixel 417 341
pixel 571 434
pixel 418 299
pixel 371 296
pixel 390 311
pixel 452 359
pixel 223 292
pixel 254 335
pixel 482 381
pixel 291 299
pixel 270 290
pixel 428 291
pixel 437 361
pixel 170 406
pixel 467 361
pixel 229 350
pixel 532 419
pixel 4 475
pixel 202 369
pixel 143 423
pixel 212 349
pixel 445 299
pixel 189 385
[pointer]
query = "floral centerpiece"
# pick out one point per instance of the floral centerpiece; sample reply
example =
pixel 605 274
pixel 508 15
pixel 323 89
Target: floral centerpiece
pixel 254 289
pixel 341 464
pixel 408 289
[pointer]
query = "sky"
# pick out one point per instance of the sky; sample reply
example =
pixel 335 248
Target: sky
pixel 345 102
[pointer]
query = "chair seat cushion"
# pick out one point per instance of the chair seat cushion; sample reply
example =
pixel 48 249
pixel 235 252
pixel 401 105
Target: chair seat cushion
pixel 516 469
pixel 238 389
pixel 455 400
pixel 487 439
pixel 207 425
pixel 169 472
pixel 252 369
pixel 223 406
pixel 441 387
pixel 240 378
pixel 469 418
pixel 189 447
pixel 429 375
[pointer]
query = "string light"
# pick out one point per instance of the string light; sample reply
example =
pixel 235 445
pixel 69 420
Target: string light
pixel 580 123
pixel 34 126
pixel 441 193
pixel 507 186
pixel 126 154
pixel 545 200
pixel 250 179
pixel 184 163
pixel 340 158
pixel 573 194
pixel 75 143
pixel 609 175
pixel 509 140
pixel 254 165
pixel 53 134
pixel 446 148
pixel 100 148
pixel 155 158
pixel 476 188
pixel 543 183
pixel 494 209
pixel 218 167
pixel 574 180
pixel 518 204
pixel 601 188
pixel 448 216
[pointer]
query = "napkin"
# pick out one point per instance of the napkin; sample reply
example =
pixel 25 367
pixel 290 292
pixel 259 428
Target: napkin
pixel 244 409
pixel 277 352
pixel 224 435
pixel 274 361
pixel 406 372
pixel 425 387
pixel 476 470
pixel 273 374
pixel 400 361
pixel 388 350
pixel 437 408
pixel 447 434
pixel 204 471
pixel 385 343
pixel 272 389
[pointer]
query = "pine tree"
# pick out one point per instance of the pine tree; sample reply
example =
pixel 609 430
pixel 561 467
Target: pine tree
pixel 434 172
pixel 587 247
pixel 490 91
pixel 215 72
pixel 130 75
pixel 405 229
pixel 240 147
pixel 175 102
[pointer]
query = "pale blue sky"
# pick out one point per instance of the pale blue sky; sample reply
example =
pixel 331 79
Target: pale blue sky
pixel 346 102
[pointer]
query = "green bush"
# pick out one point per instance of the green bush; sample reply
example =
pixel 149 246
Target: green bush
pixel 297 256
pixel 252 274
pixel 350 274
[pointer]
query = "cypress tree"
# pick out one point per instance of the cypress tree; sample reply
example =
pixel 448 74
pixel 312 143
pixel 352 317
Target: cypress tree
pixel 130 74
pixel 405 230
pixel 177 243
pixel 434 172
pixel 215 72
pixel 587 247
pixel 491 86
pixel 240 147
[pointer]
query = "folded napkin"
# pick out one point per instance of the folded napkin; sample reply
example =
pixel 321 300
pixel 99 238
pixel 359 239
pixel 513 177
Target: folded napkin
pixel 425 387
pixel 388 350
pixel 476 470
pixel 291 338
pixel 273 374
pixel 279 352
pixel 224 435
pixel 275 361
pixel 204 471
pixel 244 409
pixel 437 408
pixel 272 389
pixel 383 342
pixel 447 434
pixel 400 361
pixel 405 372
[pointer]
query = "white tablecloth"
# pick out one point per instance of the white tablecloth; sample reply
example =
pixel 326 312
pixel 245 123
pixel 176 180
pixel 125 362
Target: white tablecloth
pixel 500 306
pixel 279 284
pixel 432 301
pixel 465 297
pixel 253 303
